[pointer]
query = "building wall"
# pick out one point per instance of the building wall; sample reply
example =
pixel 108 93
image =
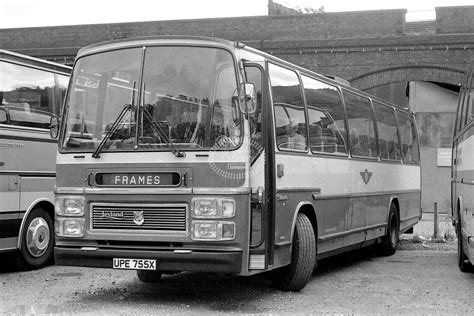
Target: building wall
pixel 435 110
pixel 278 9
pixel 451 20
pixel 363 47
pixel 64 41
pixel 346 44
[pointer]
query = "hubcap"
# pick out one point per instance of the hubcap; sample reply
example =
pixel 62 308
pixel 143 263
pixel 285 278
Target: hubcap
pixel 37 237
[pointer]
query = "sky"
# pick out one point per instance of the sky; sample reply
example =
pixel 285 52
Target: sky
pixel 33 13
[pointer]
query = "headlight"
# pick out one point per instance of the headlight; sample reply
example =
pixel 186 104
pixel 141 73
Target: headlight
pixel 69 227
pixel 215 230
pixel 213 208
pixel 70 206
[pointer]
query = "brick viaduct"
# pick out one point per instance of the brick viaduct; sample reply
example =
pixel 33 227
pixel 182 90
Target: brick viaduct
pixel 368 48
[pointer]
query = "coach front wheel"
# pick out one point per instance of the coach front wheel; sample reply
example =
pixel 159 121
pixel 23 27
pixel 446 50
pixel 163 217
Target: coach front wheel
pixel 297 274
pixel 37 240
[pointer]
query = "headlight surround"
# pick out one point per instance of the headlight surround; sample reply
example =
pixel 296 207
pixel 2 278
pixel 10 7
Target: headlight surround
pixel 70 206
pixel 207 207
pixel 70 227
pixel 212 230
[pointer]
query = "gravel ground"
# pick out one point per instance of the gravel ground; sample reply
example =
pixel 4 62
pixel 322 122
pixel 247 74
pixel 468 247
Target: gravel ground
pixel 423 234
pixel 421 278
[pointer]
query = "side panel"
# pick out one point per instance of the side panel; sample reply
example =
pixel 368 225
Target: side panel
pixel 27 169
pixel 351 197
pixel 35 189
pixel 27 150
pixel 465 190
pixel 9 210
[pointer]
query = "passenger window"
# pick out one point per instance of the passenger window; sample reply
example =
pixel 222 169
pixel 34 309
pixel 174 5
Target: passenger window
pixel 462 95
pixel 325 117
pixel 407 128
pixel 290 119
pixel 254 75
pixel 27 95
pixel 469 101
pixel 463 102
pixel 3 116
pixel 387 129
pixel 361 125
pixel 61 88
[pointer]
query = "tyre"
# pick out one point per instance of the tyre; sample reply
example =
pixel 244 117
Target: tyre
pixel 297 274
pixel 147 276
pixel 37 240
pixel 463 261
pixel 389 243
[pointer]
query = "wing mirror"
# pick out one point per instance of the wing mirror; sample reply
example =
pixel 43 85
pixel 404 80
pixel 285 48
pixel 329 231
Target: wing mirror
pixel 54 127
pixel 248 98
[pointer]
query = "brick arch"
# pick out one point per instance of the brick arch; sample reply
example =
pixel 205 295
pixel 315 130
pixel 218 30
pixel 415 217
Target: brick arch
pixel 382 77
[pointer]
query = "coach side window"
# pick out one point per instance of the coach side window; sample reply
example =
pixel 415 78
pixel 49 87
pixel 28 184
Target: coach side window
pixel 290 119
pixel 387 130
pixel 462 102
pixel 459 110
pixel 407 128
pixel 361 125
pixel 62 82
pixel 254 75
pixel 325 117
pixel 27 95
pixel 469 99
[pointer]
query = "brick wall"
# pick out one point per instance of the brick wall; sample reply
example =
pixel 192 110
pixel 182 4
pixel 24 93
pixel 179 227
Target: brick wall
pixel 346 44
pixel 452 20
pixel 56 40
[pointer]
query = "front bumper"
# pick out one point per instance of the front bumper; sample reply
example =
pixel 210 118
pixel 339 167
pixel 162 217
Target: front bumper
pixel 203 261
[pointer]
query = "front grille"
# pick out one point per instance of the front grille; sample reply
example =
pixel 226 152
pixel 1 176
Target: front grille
pixel 169 217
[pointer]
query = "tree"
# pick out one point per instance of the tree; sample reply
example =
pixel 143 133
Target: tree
pixel 309 10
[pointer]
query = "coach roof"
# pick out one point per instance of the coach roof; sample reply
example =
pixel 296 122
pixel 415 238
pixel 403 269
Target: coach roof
pixel 155 40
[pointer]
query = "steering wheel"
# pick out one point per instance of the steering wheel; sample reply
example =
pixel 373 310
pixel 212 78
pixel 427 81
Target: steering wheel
pixel 223 140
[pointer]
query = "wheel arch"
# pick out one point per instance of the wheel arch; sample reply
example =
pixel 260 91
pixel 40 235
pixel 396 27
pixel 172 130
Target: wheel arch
pixel 45 204
pixel 307 208
pixel 393 201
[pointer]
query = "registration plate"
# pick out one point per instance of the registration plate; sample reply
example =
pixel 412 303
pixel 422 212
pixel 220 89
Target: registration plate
pixel 134 264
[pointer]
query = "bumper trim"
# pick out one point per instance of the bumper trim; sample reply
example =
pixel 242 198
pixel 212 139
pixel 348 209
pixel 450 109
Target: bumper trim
pixel 202 261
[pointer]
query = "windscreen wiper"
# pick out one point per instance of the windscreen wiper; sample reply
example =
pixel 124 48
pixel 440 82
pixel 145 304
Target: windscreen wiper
pixel 159 130
pixel 112 130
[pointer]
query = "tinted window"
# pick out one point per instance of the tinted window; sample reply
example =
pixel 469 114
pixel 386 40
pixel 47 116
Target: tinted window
pixel 387 129
pixel 254 75
pixel 290 120
pixel 361 125
pixel 325 117
pixel 469 99
pixel 462 94
pixel 27 94
pixel 462 103
pixel 61 88
pixel 407 128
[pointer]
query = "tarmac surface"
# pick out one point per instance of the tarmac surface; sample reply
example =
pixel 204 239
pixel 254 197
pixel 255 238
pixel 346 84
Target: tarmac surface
pixel 422 278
